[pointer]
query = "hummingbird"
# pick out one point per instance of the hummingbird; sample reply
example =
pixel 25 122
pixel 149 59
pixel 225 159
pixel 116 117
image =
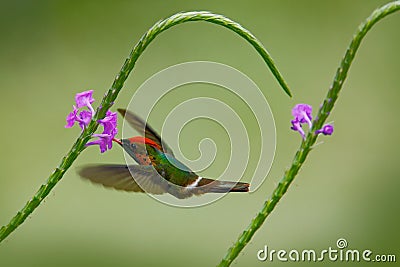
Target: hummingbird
pixel 157 172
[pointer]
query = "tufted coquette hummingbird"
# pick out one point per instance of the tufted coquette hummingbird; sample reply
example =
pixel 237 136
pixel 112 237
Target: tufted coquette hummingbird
pixel 158 171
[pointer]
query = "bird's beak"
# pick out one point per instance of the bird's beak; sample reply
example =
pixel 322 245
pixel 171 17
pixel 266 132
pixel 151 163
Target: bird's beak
pixel 118 141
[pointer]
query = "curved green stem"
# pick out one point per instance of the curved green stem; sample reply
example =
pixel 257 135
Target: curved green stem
pixel 112 94
pixel 307 144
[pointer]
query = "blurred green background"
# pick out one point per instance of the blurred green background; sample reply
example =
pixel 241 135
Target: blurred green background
pixel 348 188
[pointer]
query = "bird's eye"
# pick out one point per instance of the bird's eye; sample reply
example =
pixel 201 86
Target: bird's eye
pixel 133 146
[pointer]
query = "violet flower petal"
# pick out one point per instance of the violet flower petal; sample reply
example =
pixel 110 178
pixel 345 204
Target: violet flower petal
pixel 71 118
pixel 296 126
pixel 110 124
pixel 103 142
pixel 84 118
pixel 85 99
pixel 302 113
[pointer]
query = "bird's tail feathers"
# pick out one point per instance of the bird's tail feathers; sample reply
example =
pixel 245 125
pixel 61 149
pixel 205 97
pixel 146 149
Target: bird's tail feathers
pixel 215 186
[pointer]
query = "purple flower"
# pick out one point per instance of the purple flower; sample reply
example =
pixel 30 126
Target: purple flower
pixel 103 142
pixel 83 117
pixel 326 130
pixel 302 113
pixel 109 122
pixel 85 99
pixel 110 131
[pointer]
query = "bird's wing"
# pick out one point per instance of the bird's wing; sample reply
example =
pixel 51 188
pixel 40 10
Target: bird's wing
pixel 145 178
pixel 138 124
pixel 175 162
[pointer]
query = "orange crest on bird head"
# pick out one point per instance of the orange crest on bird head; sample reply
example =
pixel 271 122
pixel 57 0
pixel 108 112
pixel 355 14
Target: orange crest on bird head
pixel 145 141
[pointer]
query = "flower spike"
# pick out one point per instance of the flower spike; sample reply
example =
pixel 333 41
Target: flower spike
pixel 109 123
